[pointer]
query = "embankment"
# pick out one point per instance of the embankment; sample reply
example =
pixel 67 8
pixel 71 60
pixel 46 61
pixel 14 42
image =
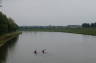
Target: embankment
pixel 6 37
pixel 85 31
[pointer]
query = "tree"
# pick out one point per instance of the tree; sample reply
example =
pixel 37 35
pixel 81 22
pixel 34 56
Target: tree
pixel 12 25
pixel 86 25
pixel 7 24
pixel 93 24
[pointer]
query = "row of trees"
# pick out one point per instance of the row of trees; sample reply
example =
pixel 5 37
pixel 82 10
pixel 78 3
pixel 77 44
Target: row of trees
pixel 7 24
pixel 93 25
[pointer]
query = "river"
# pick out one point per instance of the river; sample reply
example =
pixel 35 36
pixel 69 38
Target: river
pixel 60 47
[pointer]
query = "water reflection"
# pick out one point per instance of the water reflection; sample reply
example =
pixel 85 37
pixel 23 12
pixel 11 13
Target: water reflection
pixel 4 49
pixel 61 48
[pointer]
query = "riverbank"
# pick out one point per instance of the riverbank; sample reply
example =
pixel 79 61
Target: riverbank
pixel 6 37
pixel 85 31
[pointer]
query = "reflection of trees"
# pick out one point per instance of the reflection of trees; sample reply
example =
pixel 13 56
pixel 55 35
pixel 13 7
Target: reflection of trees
pixel 3 53
pixel 4 49
pixel 12 42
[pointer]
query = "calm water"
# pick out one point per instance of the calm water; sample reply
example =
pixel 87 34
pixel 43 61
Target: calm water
pixel 61 48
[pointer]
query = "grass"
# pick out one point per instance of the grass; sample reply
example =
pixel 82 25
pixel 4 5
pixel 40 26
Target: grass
pixel 86 31
pixel 6 37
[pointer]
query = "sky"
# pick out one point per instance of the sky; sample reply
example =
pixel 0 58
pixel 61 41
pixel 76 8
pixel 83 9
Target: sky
pixel 50 12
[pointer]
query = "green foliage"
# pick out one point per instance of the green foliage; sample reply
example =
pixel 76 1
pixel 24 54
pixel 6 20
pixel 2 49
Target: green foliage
pixel 86 25
pixel 7 24
pixel 12 25
pixel 93 24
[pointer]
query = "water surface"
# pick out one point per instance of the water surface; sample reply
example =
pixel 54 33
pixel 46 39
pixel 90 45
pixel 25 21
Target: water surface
pixel 61 48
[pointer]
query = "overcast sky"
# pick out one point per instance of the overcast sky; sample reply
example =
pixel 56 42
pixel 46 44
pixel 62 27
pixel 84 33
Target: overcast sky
pixel 50 12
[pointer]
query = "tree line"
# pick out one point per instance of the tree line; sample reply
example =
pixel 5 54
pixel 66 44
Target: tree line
pixel 7 24
pixel 93 25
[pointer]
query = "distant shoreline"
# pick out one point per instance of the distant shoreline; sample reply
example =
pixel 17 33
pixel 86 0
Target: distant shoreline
pixel 85 31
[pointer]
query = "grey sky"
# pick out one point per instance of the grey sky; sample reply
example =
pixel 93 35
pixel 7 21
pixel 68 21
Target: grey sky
pixel 54 12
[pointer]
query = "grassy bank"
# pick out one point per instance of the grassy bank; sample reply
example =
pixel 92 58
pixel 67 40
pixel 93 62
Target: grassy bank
pixel 6 37
pixel 86 31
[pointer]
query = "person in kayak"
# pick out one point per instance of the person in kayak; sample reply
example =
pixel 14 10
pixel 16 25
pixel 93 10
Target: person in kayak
pixel 44 51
